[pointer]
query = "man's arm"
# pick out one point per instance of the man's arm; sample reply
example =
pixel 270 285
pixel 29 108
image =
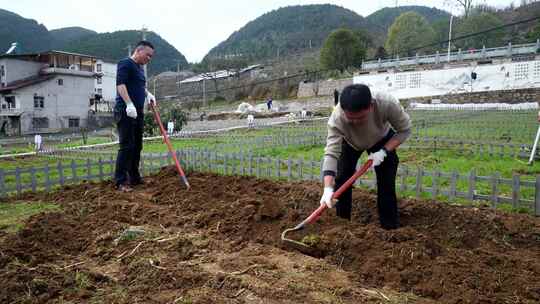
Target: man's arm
pixel 123 92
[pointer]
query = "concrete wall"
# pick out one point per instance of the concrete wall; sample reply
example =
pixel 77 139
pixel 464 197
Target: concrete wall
pixel 500 96
pixel 15 69
pixel 490 77
pixel 322 88
pixel 62 102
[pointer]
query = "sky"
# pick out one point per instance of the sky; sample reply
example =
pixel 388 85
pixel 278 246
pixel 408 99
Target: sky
pixel 193 27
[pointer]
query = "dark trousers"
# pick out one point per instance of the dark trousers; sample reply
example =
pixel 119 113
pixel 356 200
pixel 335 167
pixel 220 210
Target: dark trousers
pixel 386 183
pixel 130 131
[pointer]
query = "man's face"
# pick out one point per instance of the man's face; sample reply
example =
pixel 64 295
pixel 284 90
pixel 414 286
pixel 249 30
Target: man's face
pixel 358 117
pixel 144 54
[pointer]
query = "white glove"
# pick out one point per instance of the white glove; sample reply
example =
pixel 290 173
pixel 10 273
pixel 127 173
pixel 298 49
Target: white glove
pixel 327 197
pixel 130 110
pixel 151 98
pixel 377 157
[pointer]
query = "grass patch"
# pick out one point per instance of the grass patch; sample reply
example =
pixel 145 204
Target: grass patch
pixel 12 216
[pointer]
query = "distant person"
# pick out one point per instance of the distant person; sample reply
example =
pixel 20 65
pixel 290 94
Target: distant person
pixel 303 114
pixel 250 120
pixel 129 114
pixel 362 122
pixel 269 103
pixel 203 116
pixel 170 127
pixel 37 142
pixel 336 97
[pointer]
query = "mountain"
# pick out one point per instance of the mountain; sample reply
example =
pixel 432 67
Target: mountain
pixel 289 30
pixel 384 18
pixel 30 35
pixel 114 46
pixel 34 37
pixel 64 35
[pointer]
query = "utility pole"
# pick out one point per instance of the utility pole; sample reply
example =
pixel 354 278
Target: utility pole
pixel 450 36
pixel 144 29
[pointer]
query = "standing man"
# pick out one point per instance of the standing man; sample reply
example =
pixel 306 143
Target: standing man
pixel 336 97
pixel 362 122
pixel 269 103
pixel 128 113
pixel 37 142
pixel 170 127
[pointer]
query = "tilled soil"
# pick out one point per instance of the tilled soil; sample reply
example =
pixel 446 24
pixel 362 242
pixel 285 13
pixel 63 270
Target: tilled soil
pixel 220 243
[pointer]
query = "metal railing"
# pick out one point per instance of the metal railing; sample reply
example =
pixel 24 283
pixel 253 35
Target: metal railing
pixel 460 55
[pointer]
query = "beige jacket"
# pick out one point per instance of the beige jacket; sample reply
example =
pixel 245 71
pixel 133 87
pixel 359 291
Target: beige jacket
pixel 387 113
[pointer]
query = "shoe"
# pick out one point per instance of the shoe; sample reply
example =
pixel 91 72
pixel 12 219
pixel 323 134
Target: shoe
pixel 124 188
pixel 136 183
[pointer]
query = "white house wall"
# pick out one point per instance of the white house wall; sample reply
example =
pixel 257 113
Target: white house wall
pixel 512 75
pixel 108 81
pixel 70 100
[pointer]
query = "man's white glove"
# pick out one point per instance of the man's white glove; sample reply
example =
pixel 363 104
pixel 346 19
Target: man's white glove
pixel 130 110
pixel 151 98
pixel 377 157
pixel 327 197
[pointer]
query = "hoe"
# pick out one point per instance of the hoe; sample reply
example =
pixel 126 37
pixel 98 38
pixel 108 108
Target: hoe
pixel 169 146
pixel 317 213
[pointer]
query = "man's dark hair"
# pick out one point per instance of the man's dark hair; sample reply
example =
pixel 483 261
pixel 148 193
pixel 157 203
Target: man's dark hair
pixel 355 98
pixel 144 43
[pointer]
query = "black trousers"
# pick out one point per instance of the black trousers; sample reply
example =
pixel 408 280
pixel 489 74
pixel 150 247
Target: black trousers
pixel 386 183
pixel 130 132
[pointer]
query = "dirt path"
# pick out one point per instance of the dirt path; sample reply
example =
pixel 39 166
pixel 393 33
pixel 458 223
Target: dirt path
pixel 219 243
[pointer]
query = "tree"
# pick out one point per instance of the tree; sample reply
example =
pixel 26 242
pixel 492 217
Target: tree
pixel 381 53
pixel 465 4
pixel 343 49
pixel 478 23
pixel 409 31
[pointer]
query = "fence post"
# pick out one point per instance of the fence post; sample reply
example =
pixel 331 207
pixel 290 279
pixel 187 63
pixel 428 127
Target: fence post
pixel 100 164
pixel 88 170
pixel 300 173
pixel 515 190
pixel 2 184
pixel 46 173
pixel 537 196
pixel 419 174
pixel 33 176
pixel 404 174
pixel 472 184
pixel 495 189
pixel 278 168
pixel 18 180
pixel 289 169
pixel 434 182
pixel 258 167
pixel 74 171
pixel 243 172
pixel 311 168
pixel 60 173
pixel 453 183
pixel 250 164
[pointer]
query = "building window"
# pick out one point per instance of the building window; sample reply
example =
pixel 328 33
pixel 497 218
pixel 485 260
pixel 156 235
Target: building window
pixel 414 80
pixel 10 101
pixel 98 67
pixel 73 122
pixel 60 81
pixel 100 91
pixel 99 80
pixel 40 122
pixel 521 71
pixel 2 71
pixel 401 81
pixel 39 101
pixel 536 70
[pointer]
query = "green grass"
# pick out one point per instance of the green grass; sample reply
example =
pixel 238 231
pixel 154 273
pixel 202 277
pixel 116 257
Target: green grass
pixel 13 215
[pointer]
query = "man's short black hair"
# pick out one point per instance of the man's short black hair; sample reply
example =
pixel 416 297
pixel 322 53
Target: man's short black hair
pixel 144 43
pixel 355 98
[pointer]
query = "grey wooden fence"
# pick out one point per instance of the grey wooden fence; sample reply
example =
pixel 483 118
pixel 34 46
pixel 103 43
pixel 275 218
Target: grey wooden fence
pixel 515 192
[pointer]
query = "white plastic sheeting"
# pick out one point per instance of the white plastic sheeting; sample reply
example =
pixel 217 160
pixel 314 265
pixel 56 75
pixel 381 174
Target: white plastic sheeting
pixel 475 106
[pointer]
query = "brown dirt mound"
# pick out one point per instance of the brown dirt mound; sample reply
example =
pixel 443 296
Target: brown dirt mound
pixel 220 243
